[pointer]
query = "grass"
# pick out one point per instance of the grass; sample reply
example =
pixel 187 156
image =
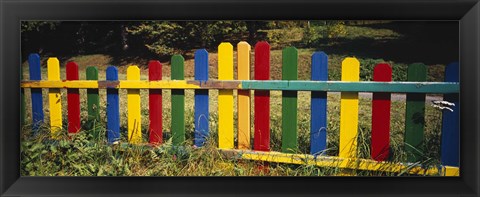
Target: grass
pixel 87 154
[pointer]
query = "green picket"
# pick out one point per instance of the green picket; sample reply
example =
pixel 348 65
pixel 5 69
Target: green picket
pixel 93 100
pixel 289 101
pixel 178 101
pixel 415 115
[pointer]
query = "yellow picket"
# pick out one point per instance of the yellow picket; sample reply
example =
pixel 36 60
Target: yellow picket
pixel 349 110
pixel 134 108
pixel 225 97
pixel 243 100
pixel 54 97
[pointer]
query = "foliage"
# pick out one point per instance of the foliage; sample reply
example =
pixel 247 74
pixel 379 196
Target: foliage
pixel 76 37
pixel 37 26
pixel 170 37
pixel 286 24
pixel 335 29
pixel 324 30
pixel 279 38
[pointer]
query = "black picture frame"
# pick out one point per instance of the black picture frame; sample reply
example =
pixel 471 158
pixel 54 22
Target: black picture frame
pixel 467 12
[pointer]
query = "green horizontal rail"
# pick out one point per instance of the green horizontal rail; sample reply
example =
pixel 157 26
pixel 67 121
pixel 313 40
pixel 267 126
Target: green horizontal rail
pixel 328 86
pixel 365 86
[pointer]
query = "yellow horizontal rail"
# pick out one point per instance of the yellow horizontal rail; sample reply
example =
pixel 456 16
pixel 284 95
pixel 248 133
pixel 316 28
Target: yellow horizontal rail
pixel 348 163
pixel 123 84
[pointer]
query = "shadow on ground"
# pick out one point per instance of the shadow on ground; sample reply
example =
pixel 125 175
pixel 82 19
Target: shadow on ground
pixel 427 42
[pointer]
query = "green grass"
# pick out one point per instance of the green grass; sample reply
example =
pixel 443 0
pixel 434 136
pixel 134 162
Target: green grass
pixel 87 153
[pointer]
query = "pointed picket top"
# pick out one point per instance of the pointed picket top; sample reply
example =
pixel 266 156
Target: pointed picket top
pixel 452 72
pixel 243 53
pixel 92 73
pixel 112 73
pixel 289 63
pixel 350 69
pixel 72 71
pixel 319 66
pixel 34 67
pixel 225 61
pixel 201 64
pixel 262 61
pixel 154 70
pixel 133 73
pixel 417 72
pixel 53 66
pixel 382 72
pixel 177 67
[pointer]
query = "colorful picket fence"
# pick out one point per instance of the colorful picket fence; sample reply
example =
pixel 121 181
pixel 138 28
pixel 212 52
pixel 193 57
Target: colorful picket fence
pixel 382 86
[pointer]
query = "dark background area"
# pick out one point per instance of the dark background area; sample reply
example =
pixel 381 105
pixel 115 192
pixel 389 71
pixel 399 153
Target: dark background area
pixel 429 42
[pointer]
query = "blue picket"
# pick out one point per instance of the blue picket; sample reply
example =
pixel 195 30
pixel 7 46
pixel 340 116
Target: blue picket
pixel 201 98
pixel 113 115
pixel 318 107
pixel 37 100
pixel 450 148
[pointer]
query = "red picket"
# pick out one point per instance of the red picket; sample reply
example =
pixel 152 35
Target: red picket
pixel 155 103
pixel 73 99
pixel 262 98
pixel 380 143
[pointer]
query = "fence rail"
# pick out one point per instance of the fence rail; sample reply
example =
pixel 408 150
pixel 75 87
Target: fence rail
pixel 329 86
pixel 382 86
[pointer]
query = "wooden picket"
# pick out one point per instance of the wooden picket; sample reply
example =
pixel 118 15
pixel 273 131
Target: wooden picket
pixel 225 97
pixel 113 111
pixel 349 110
pixel 93 100
pixel 134 108
pixel 261 141
pixel 318 107
pixel 201 99
pixel 36 93
pixel 382 86
pixel 450 146
pixel 73 99
pixel 243 96
pixel 178 101
pixel 289 101
pixel 54 98
pixel 414 116
pixel 380 143
pixel 155 104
